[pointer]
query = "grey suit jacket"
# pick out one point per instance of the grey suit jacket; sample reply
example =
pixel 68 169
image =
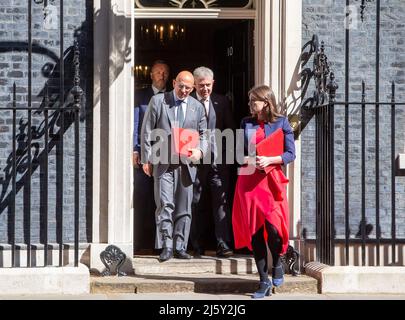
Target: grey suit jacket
pixel 160 114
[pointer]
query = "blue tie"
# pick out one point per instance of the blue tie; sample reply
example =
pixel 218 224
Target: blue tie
pixel 180 114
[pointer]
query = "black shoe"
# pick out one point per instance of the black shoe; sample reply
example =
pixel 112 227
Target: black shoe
pixel 198 253
pixel 182 254
pixel 166 254
pixel 223 251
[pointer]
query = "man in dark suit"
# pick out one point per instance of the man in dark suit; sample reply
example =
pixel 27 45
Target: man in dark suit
pixel 173 179
pixel 144 204
pixel 213 176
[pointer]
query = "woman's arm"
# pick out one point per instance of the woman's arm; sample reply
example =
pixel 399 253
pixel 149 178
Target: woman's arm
pixel 289 149
pixel 289 143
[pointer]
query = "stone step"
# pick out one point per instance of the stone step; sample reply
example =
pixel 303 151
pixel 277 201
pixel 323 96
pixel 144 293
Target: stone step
pixel 198 283
pixel 150 265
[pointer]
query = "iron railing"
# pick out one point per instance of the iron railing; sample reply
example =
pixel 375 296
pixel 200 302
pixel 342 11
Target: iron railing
pixel 32 145
pixel 322 105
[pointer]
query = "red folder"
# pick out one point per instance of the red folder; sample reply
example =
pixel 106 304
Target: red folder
pixel 184 139
pixel 271 146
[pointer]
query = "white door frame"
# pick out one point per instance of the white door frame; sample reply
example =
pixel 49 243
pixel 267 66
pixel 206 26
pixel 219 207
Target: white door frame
pixel 277 48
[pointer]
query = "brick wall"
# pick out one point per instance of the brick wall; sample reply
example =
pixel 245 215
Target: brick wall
pixel 326 18
pixel 45 66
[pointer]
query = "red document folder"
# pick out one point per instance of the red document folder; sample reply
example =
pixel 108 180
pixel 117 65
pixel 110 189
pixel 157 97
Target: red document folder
pixel 184 139
pixel 271 146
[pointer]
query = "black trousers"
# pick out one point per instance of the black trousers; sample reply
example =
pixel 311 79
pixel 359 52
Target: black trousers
pixel 211 182
pixel 260 249
pixel 144 211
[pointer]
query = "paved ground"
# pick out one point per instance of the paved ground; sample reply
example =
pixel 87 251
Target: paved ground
pixel 200 296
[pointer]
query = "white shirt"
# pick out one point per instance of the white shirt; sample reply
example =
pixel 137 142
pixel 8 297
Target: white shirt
pixel 156 90
pixel 206 104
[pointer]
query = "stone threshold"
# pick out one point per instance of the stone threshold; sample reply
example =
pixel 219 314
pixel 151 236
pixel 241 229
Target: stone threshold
pixel 197 283
pixel 237 264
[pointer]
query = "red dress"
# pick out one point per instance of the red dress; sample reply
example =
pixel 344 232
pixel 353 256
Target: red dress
pixel 259 197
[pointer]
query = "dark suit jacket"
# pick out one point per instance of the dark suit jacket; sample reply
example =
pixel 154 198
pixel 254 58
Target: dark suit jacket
pixel 219 117
pixel 142 98
pixel 250 125
pixel 160 114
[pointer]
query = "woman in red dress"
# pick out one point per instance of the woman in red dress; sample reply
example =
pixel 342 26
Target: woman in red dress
pixel 260 208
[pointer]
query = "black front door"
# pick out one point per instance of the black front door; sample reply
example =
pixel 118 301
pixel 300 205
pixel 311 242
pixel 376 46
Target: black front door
pixel 226 46
pixel 234 62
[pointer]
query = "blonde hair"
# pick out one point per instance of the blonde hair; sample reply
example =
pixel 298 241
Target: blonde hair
pixel 264 93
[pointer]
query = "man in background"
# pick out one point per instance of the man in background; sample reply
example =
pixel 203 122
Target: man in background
pixel 144 203
pixel 212 178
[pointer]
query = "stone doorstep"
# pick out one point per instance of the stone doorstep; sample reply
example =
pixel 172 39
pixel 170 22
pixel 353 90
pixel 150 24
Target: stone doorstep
pixel 150 265
pixel 198 283
pixel 354 279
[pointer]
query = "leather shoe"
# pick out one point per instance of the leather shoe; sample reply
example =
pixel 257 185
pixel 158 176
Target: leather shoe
pixel 166 254
pixel 264 290
pixel 223 251
pixel 198 253
pixel 182 254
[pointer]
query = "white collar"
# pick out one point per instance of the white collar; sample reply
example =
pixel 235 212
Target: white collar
pixel 199 98
pixel 176 98
pixel 156 90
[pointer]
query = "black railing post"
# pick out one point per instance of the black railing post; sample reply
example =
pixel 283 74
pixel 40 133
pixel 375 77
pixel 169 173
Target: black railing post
pixel 346 144
pixel 46 173
pixel 27 189
pixel 393 169
pixel 318 188
pixel 377 133
pixel 363 173
pixel 60 148
pixel 331 88
pixel 13 176
pixel 77 95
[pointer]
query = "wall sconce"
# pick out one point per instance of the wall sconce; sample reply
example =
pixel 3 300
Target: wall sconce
pixel 142 72
pixel 162 32
pixel 50 14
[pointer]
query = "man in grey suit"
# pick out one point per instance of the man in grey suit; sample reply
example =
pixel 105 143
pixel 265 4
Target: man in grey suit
pixel 144 202
pixel 173 179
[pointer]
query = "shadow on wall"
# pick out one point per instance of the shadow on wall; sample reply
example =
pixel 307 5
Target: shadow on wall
pixel 50 95
pixel 301 111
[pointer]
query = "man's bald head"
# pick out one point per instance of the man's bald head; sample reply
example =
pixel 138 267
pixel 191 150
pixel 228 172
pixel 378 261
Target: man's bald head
pixel 185 76
pixel 184 84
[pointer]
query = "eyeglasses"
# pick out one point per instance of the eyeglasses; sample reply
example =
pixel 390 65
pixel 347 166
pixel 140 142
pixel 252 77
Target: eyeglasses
pixel 183 86
pixel 253 102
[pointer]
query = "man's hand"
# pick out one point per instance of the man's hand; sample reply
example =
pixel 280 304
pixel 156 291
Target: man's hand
pixel 147 168
pixel 136 159
pixel 196 155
